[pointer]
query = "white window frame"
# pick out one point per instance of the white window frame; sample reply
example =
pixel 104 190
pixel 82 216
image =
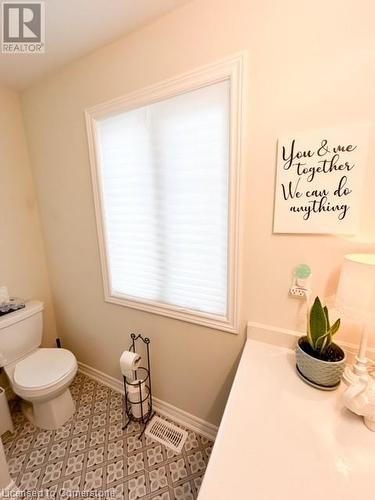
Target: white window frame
pixel 229 69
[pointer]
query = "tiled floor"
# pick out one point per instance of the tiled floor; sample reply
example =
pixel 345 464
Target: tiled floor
pixel 91 453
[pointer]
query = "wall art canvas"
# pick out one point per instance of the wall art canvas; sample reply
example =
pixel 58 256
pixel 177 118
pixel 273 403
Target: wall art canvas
pixel 319 180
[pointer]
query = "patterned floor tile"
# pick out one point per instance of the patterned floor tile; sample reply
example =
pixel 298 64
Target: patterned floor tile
pixel 137 487
pixel 74 464
pixel 94 480
pixel 196 462
pixel 158 479
pixel 184 492
pixel 135 463
pixel 116 492
pixel 95 456
pixel 162 496
pixel 91 453
pixel 115 471
pixel 178 470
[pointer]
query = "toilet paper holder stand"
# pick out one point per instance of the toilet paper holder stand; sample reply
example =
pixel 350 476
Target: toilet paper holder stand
pixel 138 408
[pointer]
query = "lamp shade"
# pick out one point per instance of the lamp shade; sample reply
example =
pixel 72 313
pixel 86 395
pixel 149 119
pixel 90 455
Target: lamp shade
pixel 355 297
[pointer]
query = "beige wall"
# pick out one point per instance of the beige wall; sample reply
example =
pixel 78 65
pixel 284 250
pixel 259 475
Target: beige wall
pixel 311 64
pixel 22 256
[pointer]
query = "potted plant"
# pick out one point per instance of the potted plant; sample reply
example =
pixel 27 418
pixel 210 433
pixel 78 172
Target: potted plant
pixel 320 362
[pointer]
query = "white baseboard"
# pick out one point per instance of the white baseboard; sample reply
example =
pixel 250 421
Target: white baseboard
pixel 186 419
pixel 182 417
pixel 101 377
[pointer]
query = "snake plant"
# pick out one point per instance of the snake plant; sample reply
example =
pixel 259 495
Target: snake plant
pixel 319 330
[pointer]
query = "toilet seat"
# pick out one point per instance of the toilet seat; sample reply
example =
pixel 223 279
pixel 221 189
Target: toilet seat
pixel 42 371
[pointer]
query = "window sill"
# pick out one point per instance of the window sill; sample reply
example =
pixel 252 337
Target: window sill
pixel 198 318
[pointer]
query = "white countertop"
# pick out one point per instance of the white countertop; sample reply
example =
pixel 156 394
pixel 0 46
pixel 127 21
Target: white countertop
pixel 281 439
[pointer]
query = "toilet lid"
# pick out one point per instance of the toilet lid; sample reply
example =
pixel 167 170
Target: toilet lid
pixel 44 367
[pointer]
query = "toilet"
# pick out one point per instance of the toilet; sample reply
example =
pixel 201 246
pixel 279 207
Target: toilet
pixel 40 376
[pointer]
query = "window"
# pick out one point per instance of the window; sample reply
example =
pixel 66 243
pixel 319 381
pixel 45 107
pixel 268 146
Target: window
pixel 165 180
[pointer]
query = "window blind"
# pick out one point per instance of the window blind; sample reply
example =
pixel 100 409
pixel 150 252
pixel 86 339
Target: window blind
pixel 164 172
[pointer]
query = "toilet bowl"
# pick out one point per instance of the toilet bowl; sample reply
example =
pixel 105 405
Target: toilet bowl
pixel 40 376
pixel 42 380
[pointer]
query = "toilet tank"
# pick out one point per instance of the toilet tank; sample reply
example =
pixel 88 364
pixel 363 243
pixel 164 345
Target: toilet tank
pixel 21 332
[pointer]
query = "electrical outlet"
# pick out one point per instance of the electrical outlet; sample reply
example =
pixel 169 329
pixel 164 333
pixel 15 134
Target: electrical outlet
pixel 301 284
pixel 297 292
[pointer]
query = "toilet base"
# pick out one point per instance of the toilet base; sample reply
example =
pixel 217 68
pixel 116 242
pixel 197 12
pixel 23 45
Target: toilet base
pixel 50 414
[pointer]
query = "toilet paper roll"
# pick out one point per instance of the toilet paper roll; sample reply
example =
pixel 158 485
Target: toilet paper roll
pixel 129 361
pixel 133 391
pixel 136 409
pixel 134 397
pixel 4 295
